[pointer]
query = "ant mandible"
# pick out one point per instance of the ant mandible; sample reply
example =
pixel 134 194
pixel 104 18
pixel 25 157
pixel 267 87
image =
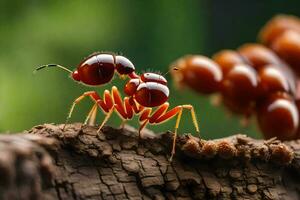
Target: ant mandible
pixel 143 92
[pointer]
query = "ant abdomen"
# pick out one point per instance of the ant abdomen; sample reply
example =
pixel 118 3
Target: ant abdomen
pixel 239 89
pixel 282 35
pixel 96 70
pixel 151 94
pixel 287 46
pixel 228 59
pixel 199 73
pixel 278 25
pixel 272 80
pixel 277 116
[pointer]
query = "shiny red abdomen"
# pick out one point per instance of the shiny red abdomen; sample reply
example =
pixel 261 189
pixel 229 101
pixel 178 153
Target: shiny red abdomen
pixel 277 116
pixel 97 69
pixel 199 73
pixel 227 59
pixel 151 94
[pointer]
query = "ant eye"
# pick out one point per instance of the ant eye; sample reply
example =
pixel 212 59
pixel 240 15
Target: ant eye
pixel 123 65
pixel 151 94
pixel 152 77
pixel 131 86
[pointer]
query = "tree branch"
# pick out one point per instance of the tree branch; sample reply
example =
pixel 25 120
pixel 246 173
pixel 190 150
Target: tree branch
pixel 78 163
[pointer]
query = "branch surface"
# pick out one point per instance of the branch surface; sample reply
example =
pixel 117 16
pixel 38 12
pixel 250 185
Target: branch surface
pixel 79 163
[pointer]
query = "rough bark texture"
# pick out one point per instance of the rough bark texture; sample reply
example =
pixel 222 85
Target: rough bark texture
pixel 78 163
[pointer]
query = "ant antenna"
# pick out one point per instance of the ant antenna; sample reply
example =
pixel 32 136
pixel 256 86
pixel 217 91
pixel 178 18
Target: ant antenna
pixel 52 65
pixel 173 68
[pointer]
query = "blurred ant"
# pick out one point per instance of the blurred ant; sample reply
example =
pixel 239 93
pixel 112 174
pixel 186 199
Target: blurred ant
pixel 143 92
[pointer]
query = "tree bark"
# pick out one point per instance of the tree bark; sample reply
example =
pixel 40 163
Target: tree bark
pixel 79 163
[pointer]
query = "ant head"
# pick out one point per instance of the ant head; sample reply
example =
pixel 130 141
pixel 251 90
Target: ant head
pixel 149 91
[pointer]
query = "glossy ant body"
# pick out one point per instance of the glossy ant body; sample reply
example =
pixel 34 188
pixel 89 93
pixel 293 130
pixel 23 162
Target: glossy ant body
pixel 143 92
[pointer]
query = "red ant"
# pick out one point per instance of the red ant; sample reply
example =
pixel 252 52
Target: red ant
pixel 143 92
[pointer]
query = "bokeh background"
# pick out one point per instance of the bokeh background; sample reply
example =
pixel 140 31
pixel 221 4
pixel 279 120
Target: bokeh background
pixel 151 34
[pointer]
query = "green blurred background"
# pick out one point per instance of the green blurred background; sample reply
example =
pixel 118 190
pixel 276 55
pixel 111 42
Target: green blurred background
pixel 151 34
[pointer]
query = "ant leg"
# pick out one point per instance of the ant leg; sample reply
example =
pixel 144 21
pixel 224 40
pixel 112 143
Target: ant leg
pixel 92 112
pixel 123 108
pixel 175 134
pixel 194 118
pixel 123 123
pixel 135 106
pixel 93 117
pixel 119 106
pixel 106 119
pixel 170 114
pixel 142 127
pixel 105 105
pixel 125 113
pixel 146 113
pixel 128 108
pixel 144 119
pixel 73 106
pixel 161 110
pixel 129 111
